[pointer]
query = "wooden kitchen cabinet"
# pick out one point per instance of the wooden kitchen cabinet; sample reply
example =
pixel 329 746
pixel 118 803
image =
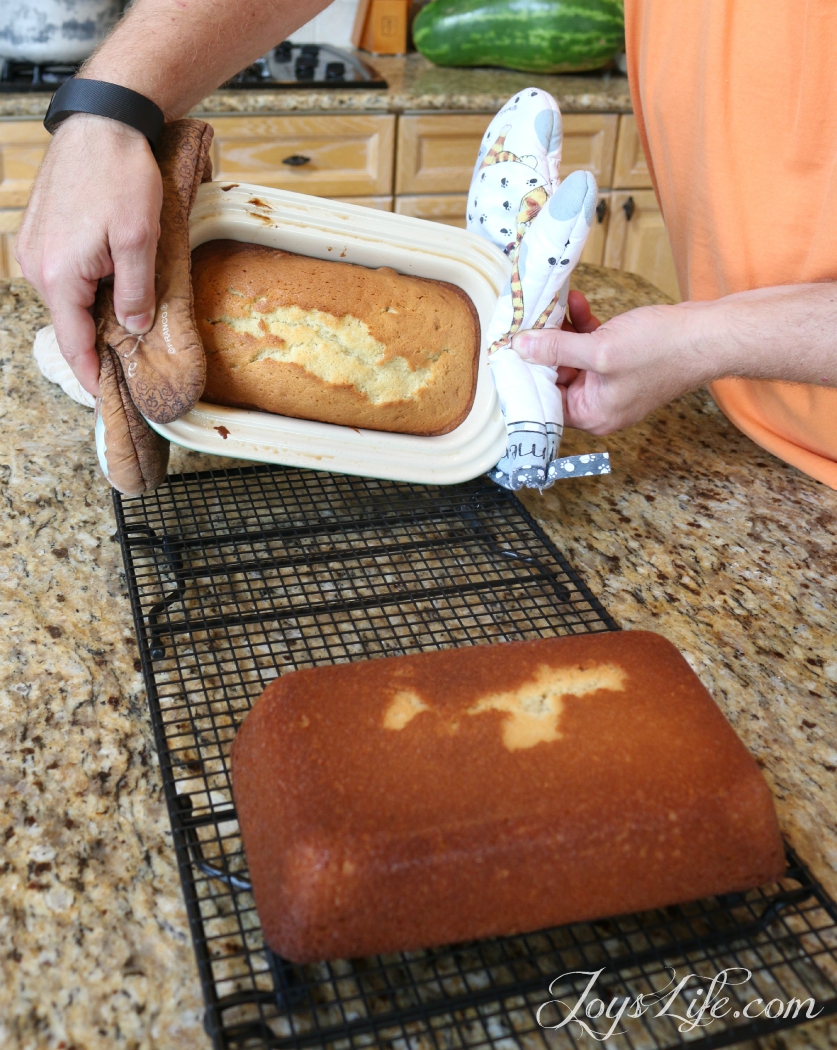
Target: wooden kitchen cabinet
pixel 328 156
pixel 447 208
pixel 9 224
pixel 589 143
pixel 630 170
pixel 22 146
pixel 383 203
pixel 426 160
pixel 594 249
pixel 436 154
pixel 637 240
pixel 346 156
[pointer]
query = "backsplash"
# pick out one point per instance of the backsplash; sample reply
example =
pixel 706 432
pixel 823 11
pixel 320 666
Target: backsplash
pixel 332 26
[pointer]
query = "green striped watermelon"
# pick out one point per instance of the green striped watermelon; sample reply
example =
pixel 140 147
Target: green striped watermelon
pixel 536 36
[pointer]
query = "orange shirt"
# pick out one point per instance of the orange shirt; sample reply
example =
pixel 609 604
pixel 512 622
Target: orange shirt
pixel 736 103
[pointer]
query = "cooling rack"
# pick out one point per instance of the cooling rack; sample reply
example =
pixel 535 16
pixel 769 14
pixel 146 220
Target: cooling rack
pixel 238 575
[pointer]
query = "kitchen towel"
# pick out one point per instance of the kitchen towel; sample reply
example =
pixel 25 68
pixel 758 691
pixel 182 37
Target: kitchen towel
pixel 517 202
pixel 53 367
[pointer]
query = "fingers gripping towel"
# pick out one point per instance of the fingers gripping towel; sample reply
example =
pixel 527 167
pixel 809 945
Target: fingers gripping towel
pixel 158 376
pixel 517 203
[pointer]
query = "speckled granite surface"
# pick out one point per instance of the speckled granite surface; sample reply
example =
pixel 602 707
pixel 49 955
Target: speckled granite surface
pixel 697 534
pixel 413 84
pixel 732 554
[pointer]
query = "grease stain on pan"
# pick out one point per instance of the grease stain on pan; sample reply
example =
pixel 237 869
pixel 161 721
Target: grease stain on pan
pixel 256 450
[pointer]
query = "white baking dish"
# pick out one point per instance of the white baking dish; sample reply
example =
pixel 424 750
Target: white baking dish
pixel 330 230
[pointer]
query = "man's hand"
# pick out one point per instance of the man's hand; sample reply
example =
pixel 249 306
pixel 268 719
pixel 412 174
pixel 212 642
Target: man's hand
pixel 614 374
pixel 94 211
pixel 95 206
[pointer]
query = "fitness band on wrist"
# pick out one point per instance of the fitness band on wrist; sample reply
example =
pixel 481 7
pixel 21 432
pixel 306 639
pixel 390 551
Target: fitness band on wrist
pixel 105 100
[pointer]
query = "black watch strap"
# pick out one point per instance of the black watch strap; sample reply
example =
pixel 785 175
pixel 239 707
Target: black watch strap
pixel 105 100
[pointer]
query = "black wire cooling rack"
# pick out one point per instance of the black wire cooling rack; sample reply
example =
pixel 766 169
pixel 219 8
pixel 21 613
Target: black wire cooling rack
pixel 238 575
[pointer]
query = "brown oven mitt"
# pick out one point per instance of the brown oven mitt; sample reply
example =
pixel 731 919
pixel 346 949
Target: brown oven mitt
pixel 133 457
pixel 159 375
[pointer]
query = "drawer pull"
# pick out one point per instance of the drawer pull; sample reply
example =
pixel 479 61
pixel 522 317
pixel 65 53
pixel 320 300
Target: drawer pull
pixel 296 160
pixel 601 210
pixel 629 208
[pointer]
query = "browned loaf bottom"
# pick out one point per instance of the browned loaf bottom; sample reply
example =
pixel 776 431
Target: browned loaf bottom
pixel 332 341
pixel 420 800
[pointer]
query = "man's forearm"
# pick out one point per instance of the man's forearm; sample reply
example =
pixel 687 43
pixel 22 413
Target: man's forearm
pixel 176 51
pixel 787 333
pixel 95 205
pixel 617 373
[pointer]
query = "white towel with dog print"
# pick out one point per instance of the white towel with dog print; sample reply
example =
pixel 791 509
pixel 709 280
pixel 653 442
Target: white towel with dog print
pixel 517 202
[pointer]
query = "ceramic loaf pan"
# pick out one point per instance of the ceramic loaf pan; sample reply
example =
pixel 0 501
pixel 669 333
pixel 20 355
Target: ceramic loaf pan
pixel 330 230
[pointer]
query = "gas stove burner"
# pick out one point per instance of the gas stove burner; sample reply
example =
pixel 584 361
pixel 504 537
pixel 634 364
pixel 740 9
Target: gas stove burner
pixel 287 66
pixel 315 65
pixel 31 76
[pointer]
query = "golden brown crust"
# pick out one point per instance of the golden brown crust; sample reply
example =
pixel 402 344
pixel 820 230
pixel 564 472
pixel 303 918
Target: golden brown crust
pixel 399 803
pixel 377 350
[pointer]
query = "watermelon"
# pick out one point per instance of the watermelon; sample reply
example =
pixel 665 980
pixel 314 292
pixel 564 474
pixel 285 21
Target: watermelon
pixel 535 36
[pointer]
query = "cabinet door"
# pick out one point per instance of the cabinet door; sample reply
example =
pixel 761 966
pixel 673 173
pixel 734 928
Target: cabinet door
pixel 447 208
pixel 589 143
pixel 630 170
pixel 322 155
pixel 637 240
pixel 22 146
pixel 378 203
pixel 9 224
pixel 436 154
pixel 594 249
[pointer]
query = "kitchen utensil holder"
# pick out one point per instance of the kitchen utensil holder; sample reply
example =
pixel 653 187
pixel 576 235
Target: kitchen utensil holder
pixel 236 575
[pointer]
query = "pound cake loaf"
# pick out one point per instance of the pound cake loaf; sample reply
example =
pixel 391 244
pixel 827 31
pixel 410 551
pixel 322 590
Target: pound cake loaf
pixel 413 801
pixel 332 341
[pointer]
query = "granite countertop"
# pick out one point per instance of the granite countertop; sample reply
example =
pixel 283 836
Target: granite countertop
pixel 413 84
pixel 697 534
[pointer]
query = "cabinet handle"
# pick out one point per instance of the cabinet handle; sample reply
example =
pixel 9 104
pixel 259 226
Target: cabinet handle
pixel 601 210
pixel 296 160
pixel 629 208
